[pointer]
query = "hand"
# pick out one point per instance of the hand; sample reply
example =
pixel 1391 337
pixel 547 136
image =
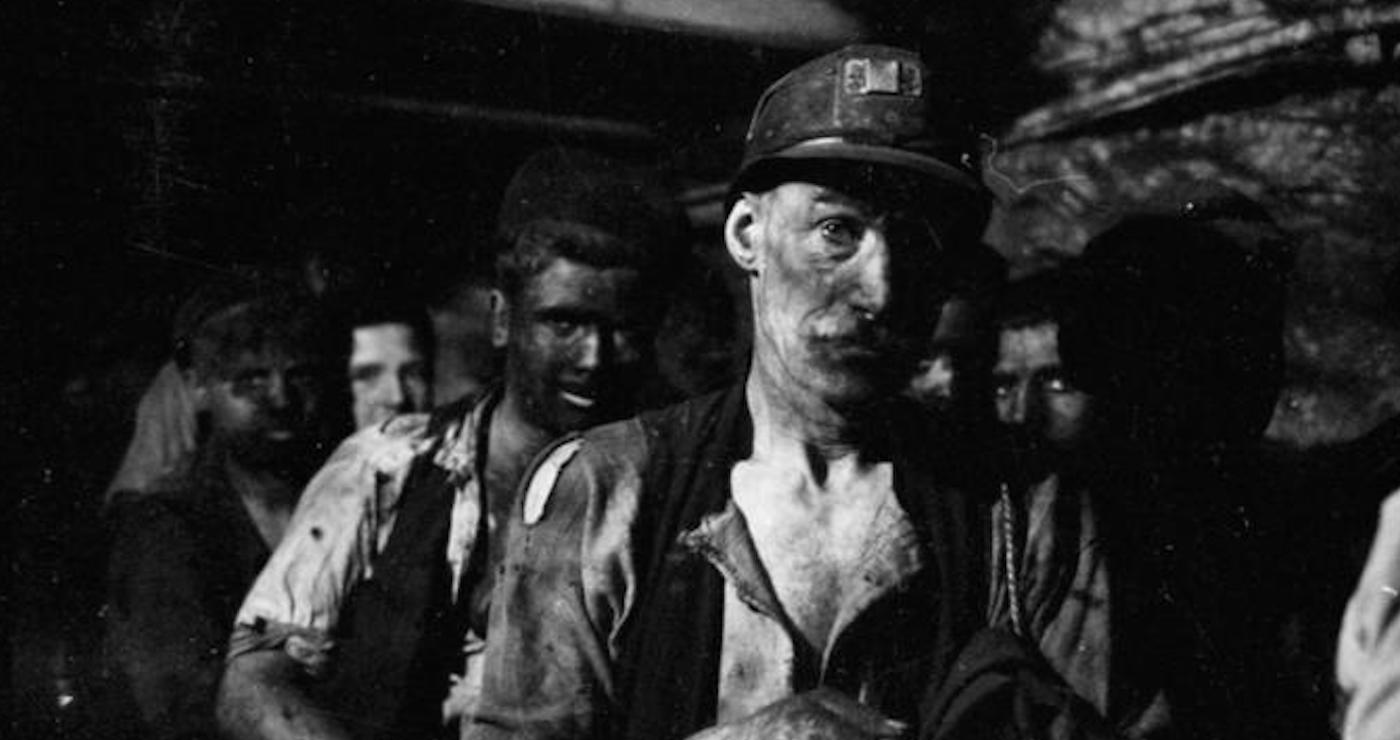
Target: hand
pixel 821 714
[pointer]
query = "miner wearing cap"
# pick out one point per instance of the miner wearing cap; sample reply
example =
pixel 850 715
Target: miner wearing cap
pixel 368 620
pixel 804 554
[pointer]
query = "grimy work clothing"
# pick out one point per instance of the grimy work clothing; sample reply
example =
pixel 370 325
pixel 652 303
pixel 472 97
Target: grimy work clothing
pixel 632 602
pixel 381 583
pixel 183 554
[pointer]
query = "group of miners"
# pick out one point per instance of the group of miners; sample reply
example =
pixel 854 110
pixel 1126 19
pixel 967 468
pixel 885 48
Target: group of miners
pixel 1025 528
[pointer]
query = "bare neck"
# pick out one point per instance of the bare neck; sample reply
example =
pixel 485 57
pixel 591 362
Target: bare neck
pixel 791 427
pixel 513 441
pixel 454 376
pixel 270 488
pixel 268 497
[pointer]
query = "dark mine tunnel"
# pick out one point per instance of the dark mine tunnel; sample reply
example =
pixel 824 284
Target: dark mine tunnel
pixel 363 150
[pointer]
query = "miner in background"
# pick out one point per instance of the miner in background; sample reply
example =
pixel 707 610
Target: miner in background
pixel 391 357
pixel 184 551
pixel 1054 443
pixel 359 624
pixel 1186 322
pixel 1042 403
pixel 804 554
pixel 951 376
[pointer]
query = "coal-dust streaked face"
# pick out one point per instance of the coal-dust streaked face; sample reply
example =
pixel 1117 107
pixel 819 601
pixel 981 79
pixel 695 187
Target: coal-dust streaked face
pixel 1046 415
pixel 843 291
pixel 267 407
pixel 388 373
pixel 578 346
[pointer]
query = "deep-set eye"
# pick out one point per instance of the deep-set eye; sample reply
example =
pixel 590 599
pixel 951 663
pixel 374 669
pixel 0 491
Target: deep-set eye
pixel 415 371
pixel 563 327
pixel 840 231
pixel 365 373
pixel 1057 384
pixel 248 384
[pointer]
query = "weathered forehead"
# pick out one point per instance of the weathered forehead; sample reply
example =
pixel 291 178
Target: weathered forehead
pixel 913 212
pixel 568 281
pixel 1028 347
pixel 806 196
pixel 373 339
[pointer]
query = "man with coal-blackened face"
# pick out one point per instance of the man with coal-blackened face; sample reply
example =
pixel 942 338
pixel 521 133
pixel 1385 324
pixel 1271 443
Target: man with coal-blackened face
pixel 389 567
pixel 184 551
pixel 805 554
pixel 578 336
pixel 845 280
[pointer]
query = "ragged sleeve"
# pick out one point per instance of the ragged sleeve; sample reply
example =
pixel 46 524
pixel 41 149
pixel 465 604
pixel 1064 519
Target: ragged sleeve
pixel 340 525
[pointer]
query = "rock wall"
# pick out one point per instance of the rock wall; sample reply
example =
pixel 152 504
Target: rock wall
pixel 1295 105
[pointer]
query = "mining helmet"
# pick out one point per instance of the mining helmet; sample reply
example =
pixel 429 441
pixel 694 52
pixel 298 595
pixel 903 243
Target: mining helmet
pixel 863 104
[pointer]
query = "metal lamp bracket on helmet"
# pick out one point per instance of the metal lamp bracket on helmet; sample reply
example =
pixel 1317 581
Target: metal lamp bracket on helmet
pixel 882 76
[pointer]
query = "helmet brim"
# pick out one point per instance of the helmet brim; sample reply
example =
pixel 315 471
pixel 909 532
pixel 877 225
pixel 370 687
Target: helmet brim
pixel 837 149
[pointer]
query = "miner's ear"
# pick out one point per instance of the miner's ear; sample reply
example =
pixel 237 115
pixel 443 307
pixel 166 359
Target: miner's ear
pixel 500 319
pixel 741 231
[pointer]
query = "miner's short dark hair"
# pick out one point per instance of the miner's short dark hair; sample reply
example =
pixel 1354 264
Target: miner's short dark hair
pixel 1060 296
pixel 240 316
pixel 388 305
pixel 592 209
pixel 539 245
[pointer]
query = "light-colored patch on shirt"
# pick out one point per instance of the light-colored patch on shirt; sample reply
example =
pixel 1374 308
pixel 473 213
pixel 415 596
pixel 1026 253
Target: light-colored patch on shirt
pixel 542 482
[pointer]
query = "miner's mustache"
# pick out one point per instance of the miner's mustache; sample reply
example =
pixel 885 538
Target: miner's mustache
pixel 873 338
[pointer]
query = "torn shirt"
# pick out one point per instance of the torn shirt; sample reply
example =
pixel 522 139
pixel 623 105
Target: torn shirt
pixel 343 523
pixel 569 586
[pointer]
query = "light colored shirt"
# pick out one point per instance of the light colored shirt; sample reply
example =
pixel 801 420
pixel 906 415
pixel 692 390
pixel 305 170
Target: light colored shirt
pixel 1368 649
pixel 341 526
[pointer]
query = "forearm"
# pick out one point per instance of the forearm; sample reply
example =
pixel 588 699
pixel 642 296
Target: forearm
pixel 261 698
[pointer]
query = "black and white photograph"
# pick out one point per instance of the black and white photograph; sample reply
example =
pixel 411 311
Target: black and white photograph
pixel 701 369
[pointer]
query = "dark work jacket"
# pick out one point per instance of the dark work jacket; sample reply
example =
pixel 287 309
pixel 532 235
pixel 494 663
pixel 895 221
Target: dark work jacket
pixel 182 557
pixel 672 644
pixel 400 636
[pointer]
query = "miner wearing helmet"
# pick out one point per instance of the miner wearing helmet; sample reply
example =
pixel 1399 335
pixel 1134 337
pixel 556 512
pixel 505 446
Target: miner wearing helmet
pixel 805 554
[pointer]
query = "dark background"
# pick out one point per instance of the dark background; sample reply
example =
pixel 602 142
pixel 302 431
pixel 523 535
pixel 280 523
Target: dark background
pixel 150 145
